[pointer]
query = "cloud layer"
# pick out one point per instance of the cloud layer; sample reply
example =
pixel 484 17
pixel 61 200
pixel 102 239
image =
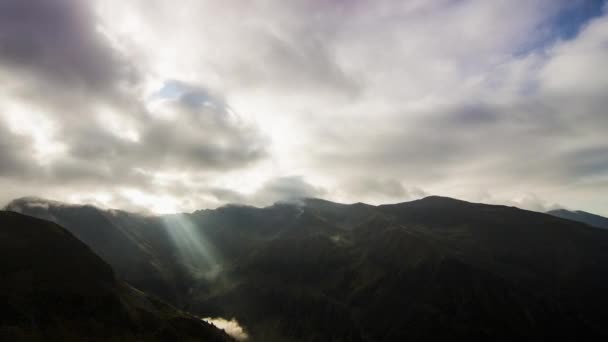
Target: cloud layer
pixel 145 104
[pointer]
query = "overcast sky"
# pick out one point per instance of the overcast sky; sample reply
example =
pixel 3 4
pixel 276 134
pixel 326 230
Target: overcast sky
pixel 179 105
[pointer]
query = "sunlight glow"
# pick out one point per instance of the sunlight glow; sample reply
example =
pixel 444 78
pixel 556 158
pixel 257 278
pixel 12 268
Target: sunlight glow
pixel 31 123
pixel 117 125
pixel 159 204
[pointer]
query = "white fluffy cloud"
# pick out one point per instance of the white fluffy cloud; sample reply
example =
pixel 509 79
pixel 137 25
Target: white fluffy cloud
pixel 205 102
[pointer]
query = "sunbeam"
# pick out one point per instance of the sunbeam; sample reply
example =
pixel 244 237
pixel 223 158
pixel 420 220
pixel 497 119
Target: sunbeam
pixel 195 251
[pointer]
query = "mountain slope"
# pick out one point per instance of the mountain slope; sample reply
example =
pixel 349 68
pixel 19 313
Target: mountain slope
pixel 54 288
pixel 422 270
pixel 136 246
pixel 581 216
pixel 430 269
pixel 165 255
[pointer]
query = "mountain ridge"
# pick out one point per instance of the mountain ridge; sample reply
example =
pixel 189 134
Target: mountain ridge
pixel 440 266
pixel 581 216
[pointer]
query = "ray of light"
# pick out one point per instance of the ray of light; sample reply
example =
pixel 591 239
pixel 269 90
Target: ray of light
pixel 196 252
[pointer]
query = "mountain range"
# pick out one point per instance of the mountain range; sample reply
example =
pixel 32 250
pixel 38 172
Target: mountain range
pixel 314 270
pixel 581 216
pixel 54 288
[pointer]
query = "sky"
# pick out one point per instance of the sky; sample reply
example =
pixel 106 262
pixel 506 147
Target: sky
pixel 164 106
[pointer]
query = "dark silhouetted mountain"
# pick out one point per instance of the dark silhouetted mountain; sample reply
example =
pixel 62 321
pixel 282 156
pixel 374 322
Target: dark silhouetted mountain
pixel 54 288
pixel 581 216
pixel 435 268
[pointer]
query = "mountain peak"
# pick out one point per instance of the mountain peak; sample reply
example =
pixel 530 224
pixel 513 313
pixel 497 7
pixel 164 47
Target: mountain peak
pixel 440 199
pixel 581 216
pixel 429 201
pixel 33 202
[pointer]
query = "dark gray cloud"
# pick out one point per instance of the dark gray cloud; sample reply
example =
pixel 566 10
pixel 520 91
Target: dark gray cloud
pixel 56 43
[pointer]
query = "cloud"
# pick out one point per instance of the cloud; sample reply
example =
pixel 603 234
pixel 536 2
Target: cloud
pixel 381 190
pixel 14 150
pixel 86 110
pixel 521 131
pixel 231 327
pixel 279 189
pixel 213 102
pixel 204 134
pixel 287 188
pixel 51 52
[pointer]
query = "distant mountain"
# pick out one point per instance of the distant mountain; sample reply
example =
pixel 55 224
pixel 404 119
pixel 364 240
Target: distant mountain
pixel 54 288
pixel 435 268
pixel 581 216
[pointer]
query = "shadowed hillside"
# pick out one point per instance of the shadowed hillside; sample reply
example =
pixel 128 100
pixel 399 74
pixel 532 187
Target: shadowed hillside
pixel 55 289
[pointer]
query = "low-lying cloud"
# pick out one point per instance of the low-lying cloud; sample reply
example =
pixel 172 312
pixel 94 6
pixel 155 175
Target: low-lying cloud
pixel 231 327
